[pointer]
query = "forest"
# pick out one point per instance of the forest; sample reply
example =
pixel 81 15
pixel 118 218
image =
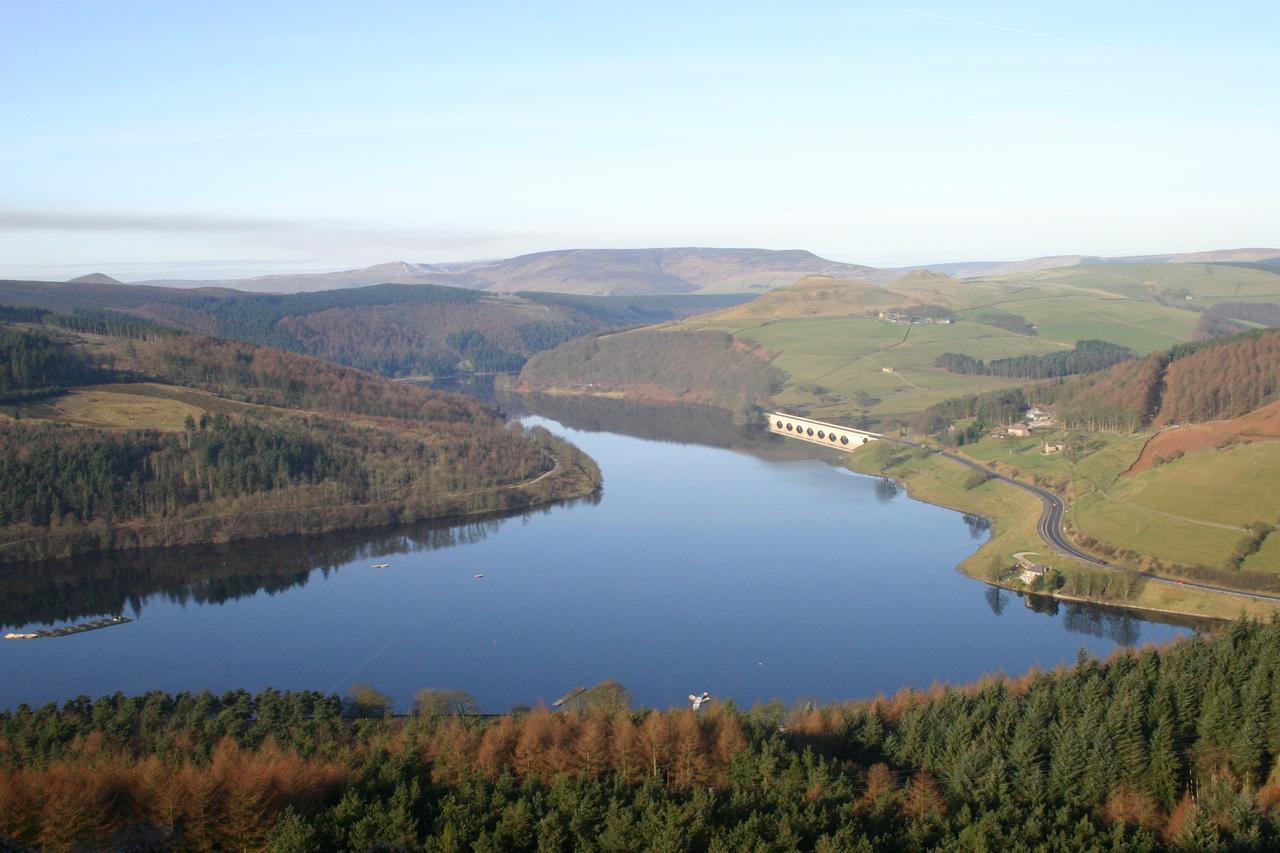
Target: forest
pixel 82 475
pixel 390 329
pixel 34 364
pixel 320 447
pixel 1087 357
pixel 1208 380
pixel 1151 749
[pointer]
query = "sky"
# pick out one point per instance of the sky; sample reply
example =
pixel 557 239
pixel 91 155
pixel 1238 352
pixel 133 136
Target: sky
pixel 206 140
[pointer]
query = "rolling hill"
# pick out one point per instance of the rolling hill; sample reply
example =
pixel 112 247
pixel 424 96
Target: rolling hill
pixel 842 362
pixel 391 329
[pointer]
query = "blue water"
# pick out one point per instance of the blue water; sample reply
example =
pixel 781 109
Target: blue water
pixel 699 568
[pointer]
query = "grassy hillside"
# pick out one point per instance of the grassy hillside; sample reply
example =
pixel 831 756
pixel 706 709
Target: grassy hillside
pixel 226 440
pixel 843 365
pixel 1171 463
pixel 392 329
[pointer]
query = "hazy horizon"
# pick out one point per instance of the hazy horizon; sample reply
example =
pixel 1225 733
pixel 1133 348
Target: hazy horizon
pixel 240 269
pixel 237 140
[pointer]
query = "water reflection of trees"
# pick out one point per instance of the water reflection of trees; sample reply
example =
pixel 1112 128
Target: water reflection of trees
pixel 683 424
pixel 1117 624
pixel 886 489
pixel 997 599
pixel 978 526
pixel 58 591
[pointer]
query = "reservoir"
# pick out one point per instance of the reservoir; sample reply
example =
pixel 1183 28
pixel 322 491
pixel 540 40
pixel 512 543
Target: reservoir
pixel 715 559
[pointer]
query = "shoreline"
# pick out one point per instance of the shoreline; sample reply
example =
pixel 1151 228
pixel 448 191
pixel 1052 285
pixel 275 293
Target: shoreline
pixel 967 569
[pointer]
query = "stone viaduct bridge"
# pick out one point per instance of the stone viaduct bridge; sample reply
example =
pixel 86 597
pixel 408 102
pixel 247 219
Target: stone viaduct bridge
pixel 818 432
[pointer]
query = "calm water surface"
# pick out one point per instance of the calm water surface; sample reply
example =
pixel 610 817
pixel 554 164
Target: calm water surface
pixel 751 572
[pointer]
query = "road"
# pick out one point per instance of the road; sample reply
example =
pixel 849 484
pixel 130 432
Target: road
pixel 1050 528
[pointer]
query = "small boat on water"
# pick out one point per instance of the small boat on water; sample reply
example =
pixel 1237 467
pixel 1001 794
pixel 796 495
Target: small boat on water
pixel 12 636
pixel 380 566
pixel 478 577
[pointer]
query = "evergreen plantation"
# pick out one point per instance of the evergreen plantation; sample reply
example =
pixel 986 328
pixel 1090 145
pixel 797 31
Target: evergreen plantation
pixel 1171 749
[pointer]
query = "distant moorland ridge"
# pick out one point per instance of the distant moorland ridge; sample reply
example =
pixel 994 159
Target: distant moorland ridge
pixel 667 270
pixel 582 271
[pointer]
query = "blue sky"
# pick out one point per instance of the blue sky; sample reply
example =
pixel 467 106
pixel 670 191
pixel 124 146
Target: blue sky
pixel 208 139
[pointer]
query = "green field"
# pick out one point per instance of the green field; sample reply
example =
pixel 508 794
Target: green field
pixel 127 406
pixel 1207 283
pixel 1066 315
pixel 1191 511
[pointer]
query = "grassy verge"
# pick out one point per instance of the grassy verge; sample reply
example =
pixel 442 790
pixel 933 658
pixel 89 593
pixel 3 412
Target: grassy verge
pixel 1013 515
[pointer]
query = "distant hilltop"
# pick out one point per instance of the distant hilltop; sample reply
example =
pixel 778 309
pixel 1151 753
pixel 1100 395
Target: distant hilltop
pixel 94 278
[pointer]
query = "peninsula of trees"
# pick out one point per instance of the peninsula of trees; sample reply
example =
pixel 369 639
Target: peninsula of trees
pixel 246 442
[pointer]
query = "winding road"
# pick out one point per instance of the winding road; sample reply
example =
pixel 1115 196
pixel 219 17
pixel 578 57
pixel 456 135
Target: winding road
pixel 1050 528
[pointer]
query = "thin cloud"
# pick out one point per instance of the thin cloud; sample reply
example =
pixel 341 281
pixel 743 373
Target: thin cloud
pixel 175 223
pixel 309 233
pixel 1002 28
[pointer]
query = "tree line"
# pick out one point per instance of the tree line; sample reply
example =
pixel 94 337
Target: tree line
pixel 1172 749
pixel 55 475
pixel 1015 323
pixel 1086 357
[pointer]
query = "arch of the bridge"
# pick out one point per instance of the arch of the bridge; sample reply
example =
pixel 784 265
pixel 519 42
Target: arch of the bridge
pixel 817 431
